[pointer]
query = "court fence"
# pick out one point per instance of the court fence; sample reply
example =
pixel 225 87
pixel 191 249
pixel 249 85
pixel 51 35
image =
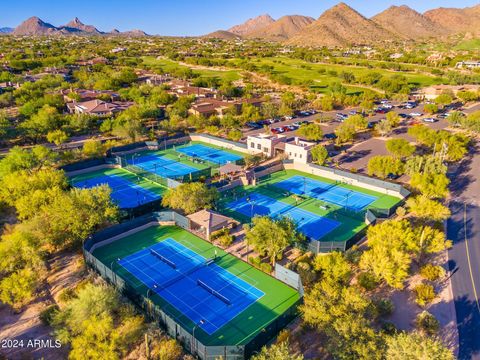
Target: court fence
pixel 162 316
pixel 367 182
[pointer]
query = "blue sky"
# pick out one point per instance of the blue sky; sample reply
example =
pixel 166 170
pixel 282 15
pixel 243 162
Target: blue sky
pixel 186 17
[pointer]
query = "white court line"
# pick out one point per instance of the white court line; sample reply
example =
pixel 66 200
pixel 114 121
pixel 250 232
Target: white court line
pixel 166 289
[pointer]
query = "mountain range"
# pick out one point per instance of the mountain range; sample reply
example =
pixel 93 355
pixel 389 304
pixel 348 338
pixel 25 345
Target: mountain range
pixel 35 26
pixel 343 26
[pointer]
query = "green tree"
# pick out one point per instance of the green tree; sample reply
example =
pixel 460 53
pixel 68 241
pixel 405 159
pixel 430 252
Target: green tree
pixel 393 119
pixel 97 324
pixel 18 288
pixel 319 154
pixel 387 257
pixel 444 99
pixel 333 266
pixel 279 351
pixel 345 133
pixel 426 209
pixel 344 316
pixel 414 346
pixel 190 197
pixel 270 237
pixel 58 137
pixel 167 349
pixel 383 127
pixel 311 131
pixel 400 148
pixel 382 166
pixel 93 148
pixel 430 108
pixel 433 186
pixel 30 160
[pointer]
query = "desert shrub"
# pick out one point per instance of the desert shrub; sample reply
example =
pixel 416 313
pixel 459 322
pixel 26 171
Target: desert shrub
pixel 424 293
pixel 385 307
pixel 427 323
pixel 432 272
pixel 47 315
pixel 367 281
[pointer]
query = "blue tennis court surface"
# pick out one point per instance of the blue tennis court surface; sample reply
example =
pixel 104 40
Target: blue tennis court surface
pixel 209 154
pixel 162 166
pixel 331 193
pixel 207 294
pixel 312 225
pixel 124 192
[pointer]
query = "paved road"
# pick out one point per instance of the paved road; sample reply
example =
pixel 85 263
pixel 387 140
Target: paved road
pixel 464 258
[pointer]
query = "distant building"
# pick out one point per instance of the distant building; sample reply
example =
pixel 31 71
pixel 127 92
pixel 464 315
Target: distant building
pixel 213 107
pixel 294 149
pixel 81 95
pixel 468 65
pixel 98 107
pixel 432 92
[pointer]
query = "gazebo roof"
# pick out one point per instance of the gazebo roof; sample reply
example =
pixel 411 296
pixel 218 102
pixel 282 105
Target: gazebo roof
pixel 209 219
pixel 230 168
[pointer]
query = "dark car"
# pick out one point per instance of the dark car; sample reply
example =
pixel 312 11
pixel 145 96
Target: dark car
pixel 392 176
pixel 330 136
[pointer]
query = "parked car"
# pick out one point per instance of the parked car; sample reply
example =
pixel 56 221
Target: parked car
pixel 288 117
pixel 430 120
pixel 392 176
pixel 353 112
pixel 404 116
pixel 330 136
pixel 253 125
pixel 442 116
pixel 341 117
pixel 278 130
pixel 415 114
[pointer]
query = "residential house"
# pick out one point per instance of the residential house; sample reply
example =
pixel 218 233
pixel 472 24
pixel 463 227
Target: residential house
pixel 294 149
pixel 82 95
pixel 98 107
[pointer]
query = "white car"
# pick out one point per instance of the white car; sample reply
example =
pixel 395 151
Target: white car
pixel 430 120
pixel 415 114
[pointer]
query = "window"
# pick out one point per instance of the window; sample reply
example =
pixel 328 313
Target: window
pixel 265 150
pixel 259 146
pixel 252 145
pixel 300 156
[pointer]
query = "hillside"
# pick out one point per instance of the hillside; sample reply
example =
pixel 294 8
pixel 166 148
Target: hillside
pixel 282 29
pixel 252 25
pixel 341 26
pixel 407 23
pixel 35 26
pixel 222 34
pixel 76 24
pixel 456 20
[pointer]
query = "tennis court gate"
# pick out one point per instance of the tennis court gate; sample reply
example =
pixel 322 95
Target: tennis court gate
pixel 175 329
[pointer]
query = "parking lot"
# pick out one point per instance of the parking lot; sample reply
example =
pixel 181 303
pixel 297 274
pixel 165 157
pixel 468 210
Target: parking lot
pixel 356 156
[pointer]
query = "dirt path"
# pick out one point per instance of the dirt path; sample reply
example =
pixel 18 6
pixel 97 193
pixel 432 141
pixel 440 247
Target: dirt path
pixel 65 271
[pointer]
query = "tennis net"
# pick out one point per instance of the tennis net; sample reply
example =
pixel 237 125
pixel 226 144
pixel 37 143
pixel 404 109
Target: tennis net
pixel 213 292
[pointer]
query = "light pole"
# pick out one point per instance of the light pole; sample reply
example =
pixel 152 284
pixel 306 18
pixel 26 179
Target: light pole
pixel 201 322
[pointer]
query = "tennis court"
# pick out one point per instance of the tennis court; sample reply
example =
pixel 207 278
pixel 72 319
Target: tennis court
pixel 203 291
pixel 125 193
pixel 332 193
pixel 256 204
pixel 161 165
pixel 207 153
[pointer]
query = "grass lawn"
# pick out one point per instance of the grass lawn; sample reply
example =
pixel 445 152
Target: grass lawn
pixel 168 65
pixel 351 222
pixel 299 70
pixel 468 45
pixel 277 299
